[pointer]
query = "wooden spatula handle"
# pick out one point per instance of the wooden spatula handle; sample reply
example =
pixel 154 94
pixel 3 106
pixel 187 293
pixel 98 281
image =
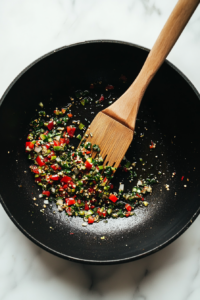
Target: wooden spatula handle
pixel 126 107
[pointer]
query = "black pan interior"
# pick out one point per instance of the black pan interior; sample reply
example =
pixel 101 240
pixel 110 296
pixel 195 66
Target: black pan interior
pixel 169 115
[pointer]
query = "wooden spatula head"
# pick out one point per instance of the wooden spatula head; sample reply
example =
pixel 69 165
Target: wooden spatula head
pixel 112 137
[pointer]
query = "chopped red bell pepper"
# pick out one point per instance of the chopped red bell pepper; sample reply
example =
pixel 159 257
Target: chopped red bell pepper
pixel 55 167
pixel 128 207
pixel 88 165
pixel 68 210
pixel 90 190
pixel 182 178
pixel 56 143
pixel 46 132
pixel 63 110
pixel 86 206
pixel 73 186
pixel 66 179
pixel 111 186
pixel 50 125
pixel 51 154
pixel 104 213
pixel 38 179
pixel 71 130
pixel 70 115
pixel 113 198
pixel 45 159
pixel 39 161
pixel 63 141
pixel 70 201
pixel 67 141
pixel 47 193
pixel 65 186
pixel 139 196
pixel 88 152
pixel 127 214
pixel 47 146
pixel 90 220
pixel 35 169
pixel 30 145
pixel 54 177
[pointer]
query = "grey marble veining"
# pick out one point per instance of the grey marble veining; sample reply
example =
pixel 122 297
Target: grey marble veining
pixel 29 29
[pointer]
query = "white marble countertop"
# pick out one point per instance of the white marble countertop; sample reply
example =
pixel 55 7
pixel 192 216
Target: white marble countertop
pixel 29 29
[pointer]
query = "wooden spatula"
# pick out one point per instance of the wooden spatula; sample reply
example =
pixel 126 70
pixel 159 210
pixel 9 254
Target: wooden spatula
pixel 113 128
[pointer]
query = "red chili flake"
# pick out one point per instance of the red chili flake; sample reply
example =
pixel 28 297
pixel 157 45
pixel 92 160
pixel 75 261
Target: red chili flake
pixel 109 87
pixel 182 178
pixel 71 233
pixel 101 98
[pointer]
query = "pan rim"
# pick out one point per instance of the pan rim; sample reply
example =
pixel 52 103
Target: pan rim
pixel 80 260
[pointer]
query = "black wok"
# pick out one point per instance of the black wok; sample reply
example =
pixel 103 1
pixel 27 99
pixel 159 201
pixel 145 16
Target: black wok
pixel 170 111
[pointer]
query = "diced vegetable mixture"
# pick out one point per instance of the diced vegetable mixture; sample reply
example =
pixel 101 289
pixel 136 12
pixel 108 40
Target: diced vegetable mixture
pixel 78 183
